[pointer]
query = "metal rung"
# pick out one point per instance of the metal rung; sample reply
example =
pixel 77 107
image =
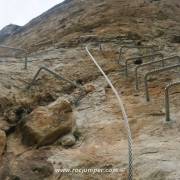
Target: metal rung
pixel 150 63
pixel 167 106
pixel 59 77
pixel 18 49
pixel 134 47
pixel 156 72
pixel 135 58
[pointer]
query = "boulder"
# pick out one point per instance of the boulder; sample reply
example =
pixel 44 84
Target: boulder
pixel 47 124
pixel 2 142
pixel 32 165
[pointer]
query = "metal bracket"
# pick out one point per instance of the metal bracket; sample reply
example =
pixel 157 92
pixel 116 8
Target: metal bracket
pixel 156 72
pixel 18 49
pixel 59 77
pixel 135 58
pixel 153 47
pixel 167 106
pixel 150 63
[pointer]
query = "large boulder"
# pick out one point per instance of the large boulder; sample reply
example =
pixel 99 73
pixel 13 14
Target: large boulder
pixel 2 142
pixel 46 124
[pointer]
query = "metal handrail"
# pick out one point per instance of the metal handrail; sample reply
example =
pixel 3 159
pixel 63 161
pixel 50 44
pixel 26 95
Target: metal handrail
pixel 167 106
pixel 18 49
pixel 150 63
pixel 135 58
pixel 134 47
pixel 59 77
pixel 156 72
pixel 130 173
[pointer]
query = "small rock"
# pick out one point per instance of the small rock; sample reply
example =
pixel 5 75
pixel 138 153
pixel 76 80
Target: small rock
pixel 4 125
pixel 10 115
pixel 89 88
pixel 68 140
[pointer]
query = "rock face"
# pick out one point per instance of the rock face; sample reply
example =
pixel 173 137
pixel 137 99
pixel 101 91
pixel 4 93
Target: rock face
pixel 46 124
pixel 101 140
pixel 8 30
pixel 64 24
pixel 30 166
pixel 2 142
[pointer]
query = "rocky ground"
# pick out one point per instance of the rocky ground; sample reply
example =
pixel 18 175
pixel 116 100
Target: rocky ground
pixel 42 129
pixel 53 124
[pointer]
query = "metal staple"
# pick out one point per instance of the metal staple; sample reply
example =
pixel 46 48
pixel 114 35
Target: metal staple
pixel 134 47
pixel 18 49
pixel 59 77
pixel 155 72
pixel 150 63
pixel 130 171
pixel 167 106
pixel 135 58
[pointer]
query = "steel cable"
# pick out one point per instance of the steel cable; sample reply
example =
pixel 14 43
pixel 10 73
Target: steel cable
pixel 130 151
pixel 18 49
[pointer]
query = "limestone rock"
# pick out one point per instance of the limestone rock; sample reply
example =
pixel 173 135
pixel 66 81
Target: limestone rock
pixel 10 115
pixel 89 88
pixel 4 125
pixel 46 124
pixel 31 166
pixel 68 140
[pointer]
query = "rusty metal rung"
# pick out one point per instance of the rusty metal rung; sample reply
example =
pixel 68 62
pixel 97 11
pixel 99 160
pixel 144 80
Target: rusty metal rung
pixel 59 77
pixel 18 49
pixel 153 47
pixel 156 72
pixel 135 58
pixel 167 104
pixel 151 63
